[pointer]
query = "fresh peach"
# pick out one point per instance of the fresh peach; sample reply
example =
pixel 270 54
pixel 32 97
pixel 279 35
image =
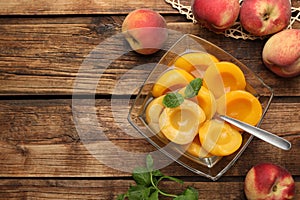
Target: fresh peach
pixel 270 182
pixel 264 17
pixel 217 15
pixel 145 30
pixel 281 53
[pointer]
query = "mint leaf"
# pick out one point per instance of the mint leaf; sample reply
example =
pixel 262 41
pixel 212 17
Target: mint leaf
pixel 142 176
pixel 149 162
pixel 189 194
pixel 193 88
pixel 154 196
pixel 121 196
pixel 138 192
pixel 157 173
pixel 172 100
pixel 147 188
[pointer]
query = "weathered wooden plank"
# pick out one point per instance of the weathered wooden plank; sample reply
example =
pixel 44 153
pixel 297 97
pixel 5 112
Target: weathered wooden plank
pixel 73 160
pixel 32 116
pixel 39 139
pixel 61 7
pixel 109 189
pixel 43 56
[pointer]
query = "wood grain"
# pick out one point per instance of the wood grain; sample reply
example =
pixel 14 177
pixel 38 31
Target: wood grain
pixel 61 7
pixel 49 149
pixel 57 7
pixel 45 56
pixel 109 189
pixel 39 139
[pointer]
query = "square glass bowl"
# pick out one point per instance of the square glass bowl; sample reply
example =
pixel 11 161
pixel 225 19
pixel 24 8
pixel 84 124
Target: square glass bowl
pixel 211 167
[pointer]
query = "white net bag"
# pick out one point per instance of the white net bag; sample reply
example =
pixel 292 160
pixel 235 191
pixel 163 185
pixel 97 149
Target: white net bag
pixel 236 31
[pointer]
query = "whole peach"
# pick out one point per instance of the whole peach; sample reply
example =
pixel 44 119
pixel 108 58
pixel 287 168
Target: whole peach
pixel 264 17
pixel 217 15
pixel 281 53
pixel 145 30
pixel 267 181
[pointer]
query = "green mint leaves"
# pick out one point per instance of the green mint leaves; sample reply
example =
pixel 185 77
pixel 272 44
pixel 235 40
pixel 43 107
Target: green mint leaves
pixel 172 100
pixel 146 178
pixel 146 188
pixel 193 88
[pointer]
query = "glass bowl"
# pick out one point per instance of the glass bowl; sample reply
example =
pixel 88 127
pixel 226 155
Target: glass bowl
pixel 211 167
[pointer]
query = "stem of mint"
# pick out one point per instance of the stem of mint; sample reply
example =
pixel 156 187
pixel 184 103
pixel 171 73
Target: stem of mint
pixel 159 191
pixel 150 190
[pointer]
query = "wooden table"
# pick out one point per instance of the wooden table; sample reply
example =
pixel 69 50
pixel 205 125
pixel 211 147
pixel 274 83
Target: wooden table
pixel 42 47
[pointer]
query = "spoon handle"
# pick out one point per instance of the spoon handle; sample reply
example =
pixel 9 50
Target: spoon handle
pixel 259 133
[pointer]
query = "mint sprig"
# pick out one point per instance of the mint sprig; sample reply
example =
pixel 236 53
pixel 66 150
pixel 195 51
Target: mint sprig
pixel 174 99
pixel 193 88
pixel 146 188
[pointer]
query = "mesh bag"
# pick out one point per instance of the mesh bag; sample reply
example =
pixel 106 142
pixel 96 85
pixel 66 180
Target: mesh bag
pixel 236 31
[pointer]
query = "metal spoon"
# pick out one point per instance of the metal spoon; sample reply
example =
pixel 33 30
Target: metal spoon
pixel 259 133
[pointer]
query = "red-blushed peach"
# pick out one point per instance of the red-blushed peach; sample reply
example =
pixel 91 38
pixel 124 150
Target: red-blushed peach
pixel 267 181
pixel 281 53
pixel 264 17
pixel 217 15
pixel 145 30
